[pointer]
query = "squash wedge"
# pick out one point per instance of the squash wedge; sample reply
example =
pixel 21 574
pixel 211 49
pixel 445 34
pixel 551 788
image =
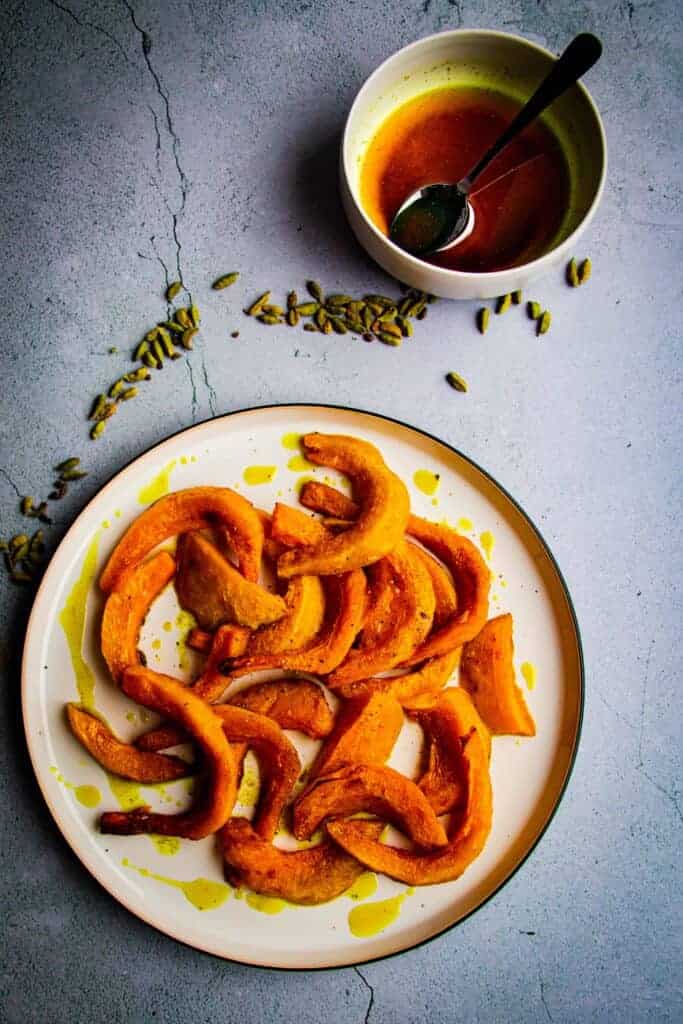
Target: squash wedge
pixel 364 730
pixel 384 509
pixel 431 677
pixel 195 508
pixel 487 672
pixel 311 876
pixel 292 703
pixel 126 608
pixel 409 620
pixel 121 758
pixel 213 807
pixel 373 788
pixel 278 761
pixel 215 592
pixel 301 623
pixel 468 830
pixel 344 611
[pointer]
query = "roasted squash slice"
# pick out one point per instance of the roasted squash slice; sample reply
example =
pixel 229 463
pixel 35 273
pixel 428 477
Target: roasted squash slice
pixel 292 703
pixel 383 502
pixel 364 730
pixel 126 608
pixel 210 587
pixel 487 672
pixel 213 807
pixel 122 758
pixel 301 623
pixel 377 789
pixel 192 509
pixel 311 876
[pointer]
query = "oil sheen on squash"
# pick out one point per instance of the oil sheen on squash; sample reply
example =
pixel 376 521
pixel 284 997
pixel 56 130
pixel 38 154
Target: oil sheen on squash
pixel 519 201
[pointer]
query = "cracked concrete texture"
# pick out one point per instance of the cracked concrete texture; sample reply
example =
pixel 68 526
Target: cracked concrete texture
pixel 143 140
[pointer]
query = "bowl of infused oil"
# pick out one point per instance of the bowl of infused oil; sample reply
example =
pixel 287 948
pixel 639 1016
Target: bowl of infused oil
pixel 427 115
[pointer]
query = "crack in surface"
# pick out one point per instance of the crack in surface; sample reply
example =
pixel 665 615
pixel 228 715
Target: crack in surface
pixel 183 183
pixel 211 390
pixel 370 990
pixel 11 482
pixel 640 764
pixel 82 23
pixel 545 1005
pixel 190 373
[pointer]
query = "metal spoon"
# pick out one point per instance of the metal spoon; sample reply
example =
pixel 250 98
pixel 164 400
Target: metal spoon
pixel 438 216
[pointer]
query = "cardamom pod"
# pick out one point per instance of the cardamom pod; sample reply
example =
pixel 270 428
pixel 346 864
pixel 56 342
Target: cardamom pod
pixel 544 322
pixel 517 297
pixel 327 327
pixel 257 306
pixel 98 407
pixel 405 325
pixel 158 350
pixel 320 318
pixel 391 328
pixel 67 464
pixel 308 308
pixel 98 429
pixel 116 388
pixel 338 326
pixel 187 339
pixel 183 318
pixel 292 300
pixel 167 345
pixel 503 304
pixel 315 290
pixel 457 382
pixel 141 349
pixel 585 271
pixel 269 318
pixel 173 289
pixel 73 474
pixel 142 373
pixel 129 393
pixel 174 326
pixel 225 281
pixel 292 317
pixel 273 310
pixel 195 315
pixel 389 339
pixel 338 300
pixel 534 310
pixel 483 317
pixel 310 327
pixel 149 360
pixel 26 506
pixel 572 274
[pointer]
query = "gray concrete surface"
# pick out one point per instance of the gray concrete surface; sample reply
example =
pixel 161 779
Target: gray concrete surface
pixel 139 140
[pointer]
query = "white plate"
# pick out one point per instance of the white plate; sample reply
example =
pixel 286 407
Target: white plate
pixel 528 775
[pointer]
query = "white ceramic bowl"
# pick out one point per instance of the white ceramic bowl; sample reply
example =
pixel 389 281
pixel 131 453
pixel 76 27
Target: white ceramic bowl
pixel 511 65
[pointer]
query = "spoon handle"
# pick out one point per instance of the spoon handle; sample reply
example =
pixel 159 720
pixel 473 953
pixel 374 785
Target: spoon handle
pixel 580 55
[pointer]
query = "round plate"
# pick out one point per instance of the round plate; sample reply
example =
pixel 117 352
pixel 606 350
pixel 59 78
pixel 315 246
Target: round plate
pixel 62 663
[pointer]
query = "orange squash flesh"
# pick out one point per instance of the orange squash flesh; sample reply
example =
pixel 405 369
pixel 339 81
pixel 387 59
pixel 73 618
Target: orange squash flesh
pixel 126 608
pixel 345 607
pixel 468 831
pixel 292 703
pixel 292 528
pixel 384 509
pixel 487 672
pixel 364 730
pixel 431 677
pixel 195 508
pixel 472 581
pixel 212 809
pixel 328 501
pixel 215 592
pixel 377 789
pixel 229 642
pixel 409 622
pixel 380 597
pixel 305 601
pixel 278 761
pixel 199 640
pixel 122 758
pixel 311 876
pixel 444 591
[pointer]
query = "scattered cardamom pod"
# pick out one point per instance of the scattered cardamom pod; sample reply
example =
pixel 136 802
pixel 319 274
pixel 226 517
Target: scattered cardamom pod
pixel 389 339
pixel 483 317
pixel 457 382
pixel 534 310
pixel 116 388
pixel 127 394
pixel 338 300
pixel 572 274
pixel 173 289
pixel 503 304
pixel 195 316
pixel 98 407
pixel 174 326
pixel 225 281
pixel 585 271
pixel 257 306
pixel 142 373
pixel 405 325
pixel 158 350
pixel 187 339
pixel 150 361
pixel 183 318
pixel 67 464
pixel 167 345
pixel 26 506
pixel 517 297
pixel 390 328
pixel 310 327
pixel 141 349
pixel 292 317
pixel 320 318
pixel 73 474
pixel 98 429
pixel 307 308
pixel 327 327
pixel 292 300
pixel 544 323
pixel 269 318
pixel 272 309
pixel 338 326
pixel 315 290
